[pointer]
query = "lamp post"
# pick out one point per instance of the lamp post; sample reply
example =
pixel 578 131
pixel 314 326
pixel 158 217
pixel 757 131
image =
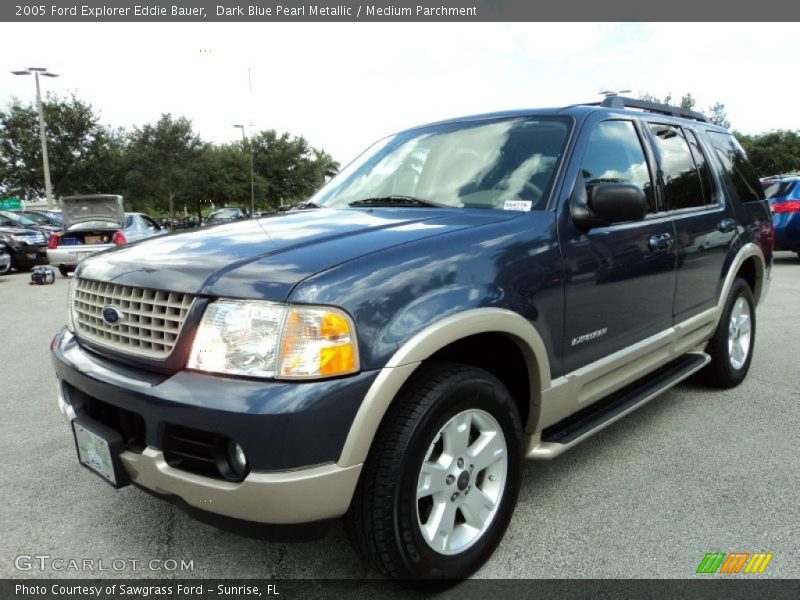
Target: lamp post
pixel 252 175
pixel 45 161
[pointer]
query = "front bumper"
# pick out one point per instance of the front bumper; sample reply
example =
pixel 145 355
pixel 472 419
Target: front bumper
pixel 29 255
pixel 292 433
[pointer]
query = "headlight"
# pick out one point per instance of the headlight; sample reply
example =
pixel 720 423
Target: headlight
pixel 71 304
pixel 264 339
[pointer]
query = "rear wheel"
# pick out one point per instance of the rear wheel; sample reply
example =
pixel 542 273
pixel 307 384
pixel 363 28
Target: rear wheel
pixel 442 478
pixel 65 271
pixel 731 348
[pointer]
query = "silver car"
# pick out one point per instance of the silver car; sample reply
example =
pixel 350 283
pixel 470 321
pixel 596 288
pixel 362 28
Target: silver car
pixel 95 223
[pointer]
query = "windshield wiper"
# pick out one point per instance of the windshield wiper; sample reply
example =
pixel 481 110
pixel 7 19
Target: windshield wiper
pixel 396 201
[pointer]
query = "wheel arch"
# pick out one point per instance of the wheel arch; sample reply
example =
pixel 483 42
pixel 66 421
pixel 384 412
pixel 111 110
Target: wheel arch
pixel 440 340
pixel 749 264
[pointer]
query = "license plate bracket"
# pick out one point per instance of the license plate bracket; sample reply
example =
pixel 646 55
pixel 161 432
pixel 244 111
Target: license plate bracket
pixel 99 448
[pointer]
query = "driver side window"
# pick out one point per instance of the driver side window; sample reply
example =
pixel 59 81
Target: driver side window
pixel 614 154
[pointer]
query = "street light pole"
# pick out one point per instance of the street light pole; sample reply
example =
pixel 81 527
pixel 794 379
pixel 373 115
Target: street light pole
pixel 252 170
pixel 45 160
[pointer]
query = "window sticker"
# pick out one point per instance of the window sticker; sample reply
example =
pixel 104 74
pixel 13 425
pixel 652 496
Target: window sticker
pixel 518 205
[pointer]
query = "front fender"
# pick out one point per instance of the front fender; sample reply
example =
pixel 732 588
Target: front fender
pixel 427 342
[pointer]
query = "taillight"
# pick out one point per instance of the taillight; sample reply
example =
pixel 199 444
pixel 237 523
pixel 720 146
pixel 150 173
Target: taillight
pixel 52 243
pixel 119 238
pixel 789 206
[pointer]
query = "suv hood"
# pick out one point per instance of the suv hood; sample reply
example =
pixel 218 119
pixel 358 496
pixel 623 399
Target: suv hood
pixel 265 258
pixel 98 207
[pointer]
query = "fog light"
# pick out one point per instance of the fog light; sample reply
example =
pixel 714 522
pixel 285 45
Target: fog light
pixel 237 458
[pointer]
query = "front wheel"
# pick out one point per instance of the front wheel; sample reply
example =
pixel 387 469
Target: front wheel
pixel 731 348
pixel 442 478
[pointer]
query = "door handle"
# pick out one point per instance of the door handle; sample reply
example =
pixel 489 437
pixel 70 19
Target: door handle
pixel 662 241
pixel 726 225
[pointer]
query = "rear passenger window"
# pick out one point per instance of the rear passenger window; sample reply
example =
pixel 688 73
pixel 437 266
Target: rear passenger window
pixel 734 161
pixel 682 185
pixel 702 167
pixel 614 155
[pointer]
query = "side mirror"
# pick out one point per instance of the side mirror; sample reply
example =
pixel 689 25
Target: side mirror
pixel 609 203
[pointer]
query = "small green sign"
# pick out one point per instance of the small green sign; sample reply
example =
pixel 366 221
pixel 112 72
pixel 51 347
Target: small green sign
pixel 10 204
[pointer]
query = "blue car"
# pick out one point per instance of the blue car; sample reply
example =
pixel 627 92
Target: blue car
pixel 783 194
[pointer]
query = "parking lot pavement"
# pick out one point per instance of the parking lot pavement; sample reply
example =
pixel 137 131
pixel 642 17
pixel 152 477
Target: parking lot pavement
pixel 694 471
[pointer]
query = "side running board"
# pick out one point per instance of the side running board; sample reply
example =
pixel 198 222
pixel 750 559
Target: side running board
pixel 568 432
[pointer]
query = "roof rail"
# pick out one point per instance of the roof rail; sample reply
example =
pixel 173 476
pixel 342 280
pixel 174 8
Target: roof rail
pixel 654 107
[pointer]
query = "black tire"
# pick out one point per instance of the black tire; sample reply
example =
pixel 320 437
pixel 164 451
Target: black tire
pixel 383 522
pixel 720 372
pixel 65 271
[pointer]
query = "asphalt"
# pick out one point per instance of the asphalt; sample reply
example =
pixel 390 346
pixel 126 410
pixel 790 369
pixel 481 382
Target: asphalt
pixel 695 471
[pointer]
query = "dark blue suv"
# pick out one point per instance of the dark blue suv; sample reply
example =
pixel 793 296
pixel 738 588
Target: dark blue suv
pixel 461 297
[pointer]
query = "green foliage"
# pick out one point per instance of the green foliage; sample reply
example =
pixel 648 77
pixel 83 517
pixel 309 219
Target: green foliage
pixel 716 113
pixel 163 162
pixel 159 168
pixel 774 152
pixel 79 148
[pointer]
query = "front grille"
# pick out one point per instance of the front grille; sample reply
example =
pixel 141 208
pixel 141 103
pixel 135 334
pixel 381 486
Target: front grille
pixel 151 319
pixel 128 424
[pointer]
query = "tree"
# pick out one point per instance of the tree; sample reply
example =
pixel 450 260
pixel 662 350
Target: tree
pixel 80 149
pixel 773 152
pixel 291 169
pixel 164 162
pixel 718 115
pixel 687 100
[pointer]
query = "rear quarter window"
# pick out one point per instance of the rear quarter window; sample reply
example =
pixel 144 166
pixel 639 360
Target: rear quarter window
pixel 734 160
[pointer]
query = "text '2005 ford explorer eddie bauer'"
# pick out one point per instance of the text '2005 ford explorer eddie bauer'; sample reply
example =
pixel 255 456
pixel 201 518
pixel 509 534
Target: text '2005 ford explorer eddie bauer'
pixel 465 295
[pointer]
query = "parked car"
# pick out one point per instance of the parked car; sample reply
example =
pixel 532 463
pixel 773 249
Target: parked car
pixel 94 223
pixel 25 248
pixel 5 258
pixel 10 218
pixel 783 194
pixel 42 217
pixel 466 295
pixel 226 215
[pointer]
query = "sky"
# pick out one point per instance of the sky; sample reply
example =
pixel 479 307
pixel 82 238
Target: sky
pixel 345 85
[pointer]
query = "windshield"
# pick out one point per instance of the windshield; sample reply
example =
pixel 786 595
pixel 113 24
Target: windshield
pixel 19 219
pixel 39 219
pixel 95 225
pixel 225 213
pixel 477 164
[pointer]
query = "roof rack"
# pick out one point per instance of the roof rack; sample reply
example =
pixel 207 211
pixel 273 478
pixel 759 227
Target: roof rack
pixel 614 101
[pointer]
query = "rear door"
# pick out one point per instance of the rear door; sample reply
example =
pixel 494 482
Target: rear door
pixel 704 222
pixel 619 279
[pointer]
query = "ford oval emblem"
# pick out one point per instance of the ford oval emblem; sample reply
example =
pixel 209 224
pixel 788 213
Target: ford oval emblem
pixel 112 315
